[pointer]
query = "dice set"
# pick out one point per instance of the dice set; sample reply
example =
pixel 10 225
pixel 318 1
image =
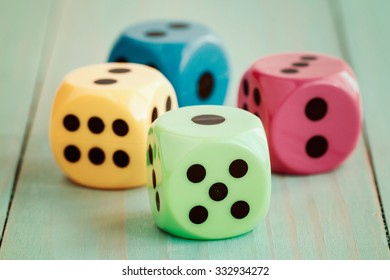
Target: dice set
pixel 310 107
pixel 207 168
pixel 190 55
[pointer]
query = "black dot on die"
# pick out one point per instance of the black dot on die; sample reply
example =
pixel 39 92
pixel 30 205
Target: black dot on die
pixel 154 114
pixel 257 96
pixel 208 119
pixel 96 125
pixel 150 154
pixel 119 70
pixel 157 201
pixel 289 70
pixel 179 25
pixel 198 214
pixel 121 59
pixel 71 122
pixel 120 127
pixel 196 173
pixel 300 64
pixel 218 191
pixel 240 209
pixel 245 106
pixel 205 85
pixel 72 153
pixel 238 168
pixel 96 156
pixel 121 159
pixel 316 146
pixel 316 109
pixel 105 81
pixel 245 86
pixel 168 104
pixel 309 57
pixel 154 181
pixel 155 33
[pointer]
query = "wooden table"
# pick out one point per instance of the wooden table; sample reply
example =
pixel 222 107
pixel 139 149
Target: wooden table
pixel 338 215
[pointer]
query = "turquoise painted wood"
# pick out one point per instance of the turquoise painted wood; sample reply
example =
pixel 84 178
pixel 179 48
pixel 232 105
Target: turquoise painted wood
pixel 329 216
pixel 22 34
pixel 367 41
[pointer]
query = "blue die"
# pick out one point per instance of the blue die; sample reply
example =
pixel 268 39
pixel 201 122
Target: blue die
pixel 188 54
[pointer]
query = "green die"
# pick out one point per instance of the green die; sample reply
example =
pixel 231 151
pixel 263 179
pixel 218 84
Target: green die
pixel 208 172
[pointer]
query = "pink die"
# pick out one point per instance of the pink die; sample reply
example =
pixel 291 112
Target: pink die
pixel 310 107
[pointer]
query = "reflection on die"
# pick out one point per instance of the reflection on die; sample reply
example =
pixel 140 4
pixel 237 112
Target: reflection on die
pixel 208 172
pixel 310 107
pixel 100 119
pixel 189 54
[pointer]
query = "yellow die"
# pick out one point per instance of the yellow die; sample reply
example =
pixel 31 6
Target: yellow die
pixel 100 120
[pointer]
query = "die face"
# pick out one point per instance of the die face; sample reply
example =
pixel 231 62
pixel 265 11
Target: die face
pixel 188 54
pixel 251 98
pixel 98 145
pixel 159 44
pixel 205 186
pixel 329 121
pixel 98 130
pixel 208 121
pixel 311 109
pixel 301 66
pixel 204 78
pixel 115 78
pixel 221 194
pixel 165 31
pixel 154 171
pixel 127 49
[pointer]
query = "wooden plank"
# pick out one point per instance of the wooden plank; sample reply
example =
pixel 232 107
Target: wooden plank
pixel 22 33
pixel 367 39
pixel 329 216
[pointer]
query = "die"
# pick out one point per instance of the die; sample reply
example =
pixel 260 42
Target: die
pixel 208 172
pixel 189 54
pixel 100 119
pixel 310 107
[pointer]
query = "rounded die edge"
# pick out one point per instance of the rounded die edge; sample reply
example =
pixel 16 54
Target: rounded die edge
pixel 207 121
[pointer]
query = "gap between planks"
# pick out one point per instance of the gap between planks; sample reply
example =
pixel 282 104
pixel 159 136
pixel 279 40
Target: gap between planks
pixel 47 48
pixel 341 34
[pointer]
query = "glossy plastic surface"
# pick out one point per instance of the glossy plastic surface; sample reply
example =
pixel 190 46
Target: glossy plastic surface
pixel 208 172
pixel 189 54
pixel 99 122
pixel 310 106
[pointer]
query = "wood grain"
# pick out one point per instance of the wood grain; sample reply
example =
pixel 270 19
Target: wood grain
pixel 336 215
pixel 22 32
pixel 366 37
